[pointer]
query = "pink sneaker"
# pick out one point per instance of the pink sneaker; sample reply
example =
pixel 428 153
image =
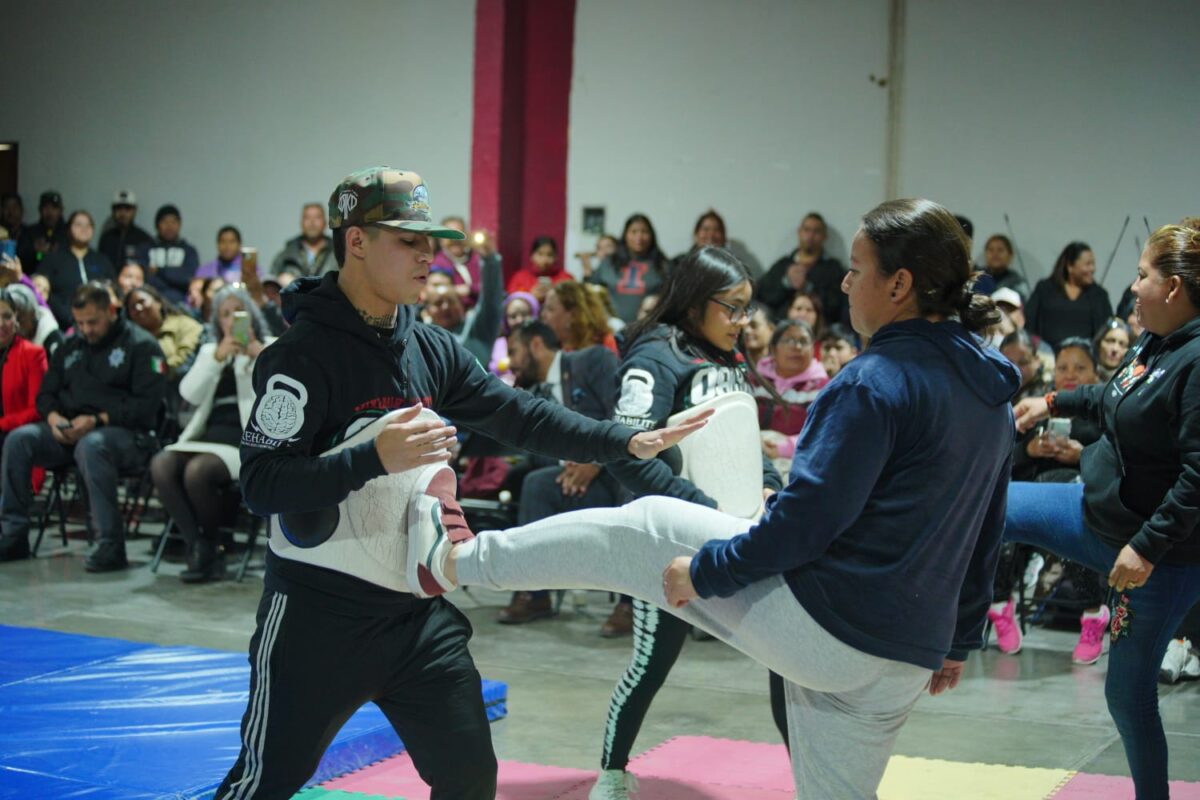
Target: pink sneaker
pixel 1008 630
pixel 1091 637
pixel 435 522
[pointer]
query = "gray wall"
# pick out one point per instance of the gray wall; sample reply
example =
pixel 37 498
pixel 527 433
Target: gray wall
pixel 236 112
pixel 1067 115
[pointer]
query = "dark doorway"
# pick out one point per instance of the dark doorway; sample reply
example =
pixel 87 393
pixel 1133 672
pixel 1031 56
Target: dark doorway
pixel 8 166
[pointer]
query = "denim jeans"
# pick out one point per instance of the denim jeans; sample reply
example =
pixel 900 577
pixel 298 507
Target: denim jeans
pixel 1050 516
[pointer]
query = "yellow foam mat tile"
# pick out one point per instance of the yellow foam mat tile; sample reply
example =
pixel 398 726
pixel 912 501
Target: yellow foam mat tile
pixel 909 778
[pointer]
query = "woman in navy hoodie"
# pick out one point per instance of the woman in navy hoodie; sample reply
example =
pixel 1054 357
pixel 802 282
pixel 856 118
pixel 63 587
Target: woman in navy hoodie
pixel 1134 516
pixel 868 577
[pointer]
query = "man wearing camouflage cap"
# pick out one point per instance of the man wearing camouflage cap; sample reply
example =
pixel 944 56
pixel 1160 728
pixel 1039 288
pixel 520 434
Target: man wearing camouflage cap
pixel 339 623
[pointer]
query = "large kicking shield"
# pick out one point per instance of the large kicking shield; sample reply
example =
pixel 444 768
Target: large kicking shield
pixel 724 458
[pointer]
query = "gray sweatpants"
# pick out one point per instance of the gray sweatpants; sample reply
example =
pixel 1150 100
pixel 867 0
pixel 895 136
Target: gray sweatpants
pixel 845 707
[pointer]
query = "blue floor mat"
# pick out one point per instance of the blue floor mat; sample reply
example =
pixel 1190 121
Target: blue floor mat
pixel 89 717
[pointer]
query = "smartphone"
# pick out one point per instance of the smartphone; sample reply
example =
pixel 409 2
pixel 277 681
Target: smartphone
pixel 250 259
pixel 8 248
pixel 64 425
pixel 240 330
pixel 1059 429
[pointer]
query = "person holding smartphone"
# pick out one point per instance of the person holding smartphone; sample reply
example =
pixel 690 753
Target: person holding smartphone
pixel 1135 514
pixel 196 476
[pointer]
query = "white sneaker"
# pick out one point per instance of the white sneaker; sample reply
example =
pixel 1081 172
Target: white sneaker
pixel 435 523
pixel 613 784
pixel 1033 568
pixel 1179 662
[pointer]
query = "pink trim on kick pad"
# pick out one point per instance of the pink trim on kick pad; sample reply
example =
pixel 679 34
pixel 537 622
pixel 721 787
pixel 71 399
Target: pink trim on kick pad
pixel 1108 787
pixel 396 777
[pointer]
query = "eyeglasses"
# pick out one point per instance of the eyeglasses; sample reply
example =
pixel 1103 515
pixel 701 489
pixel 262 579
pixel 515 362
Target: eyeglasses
pixel 790 342
pixel 736 313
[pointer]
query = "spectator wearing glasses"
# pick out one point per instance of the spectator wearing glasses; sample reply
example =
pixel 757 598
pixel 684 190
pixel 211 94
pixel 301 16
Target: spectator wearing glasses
pixel 796 375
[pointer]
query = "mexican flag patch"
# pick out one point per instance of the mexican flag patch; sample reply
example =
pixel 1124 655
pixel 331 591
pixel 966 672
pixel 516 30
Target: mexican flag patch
pixel 158 364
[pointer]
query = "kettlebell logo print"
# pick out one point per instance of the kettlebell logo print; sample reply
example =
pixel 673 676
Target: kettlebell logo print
pixel 280 413
pixel 347 200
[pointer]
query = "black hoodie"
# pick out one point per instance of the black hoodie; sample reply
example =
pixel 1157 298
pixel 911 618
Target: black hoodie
pixel 1142 477
pixel 330 374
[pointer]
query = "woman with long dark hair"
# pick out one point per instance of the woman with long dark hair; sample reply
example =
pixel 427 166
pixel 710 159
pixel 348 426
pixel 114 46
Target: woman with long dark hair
pixel 1069 302
pixel 636 269
pixel 863 597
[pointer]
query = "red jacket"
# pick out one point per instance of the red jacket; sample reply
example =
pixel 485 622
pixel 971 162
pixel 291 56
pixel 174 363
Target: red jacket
pixel 526 278
pixel 19 383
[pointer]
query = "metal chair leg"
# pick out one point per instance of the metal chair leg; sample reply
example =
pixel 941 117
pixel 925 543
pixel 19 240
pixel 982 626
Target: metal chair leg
pixel 162 544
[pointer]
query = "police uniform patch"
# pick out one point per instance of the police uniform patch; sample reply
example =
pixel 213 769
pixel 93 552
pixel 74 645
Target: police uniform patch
pixel 637 393
pixel 280 413
pixel 117 357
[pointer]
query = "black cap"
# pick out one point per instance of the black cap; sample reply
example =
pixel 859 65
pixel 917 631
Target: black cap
pixel 167 210
pixel 50 198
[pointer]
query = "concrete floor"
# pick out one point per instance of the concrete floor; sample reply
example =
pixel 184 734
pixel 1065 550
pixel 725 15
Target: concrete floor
pixel 1036 709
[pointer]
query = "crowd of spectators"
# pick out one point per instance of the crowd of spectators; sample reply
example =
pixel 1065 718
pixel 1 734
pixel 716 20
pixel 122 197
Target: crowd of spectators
pixel 127 353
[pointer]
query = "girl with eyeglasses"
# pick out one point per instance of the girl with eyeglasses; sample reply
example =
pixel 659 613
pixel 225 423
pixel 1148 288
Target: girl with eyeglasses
pixel 684 353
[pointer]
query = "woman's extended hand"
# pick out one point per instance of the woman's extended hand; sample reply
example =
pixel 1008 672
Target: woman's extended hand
pixel 677 582
pixel 1029 412
pixel 1130 570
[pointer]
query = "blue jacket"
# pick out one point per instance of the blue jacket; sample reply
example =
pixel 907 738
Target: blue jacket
pixel 889 529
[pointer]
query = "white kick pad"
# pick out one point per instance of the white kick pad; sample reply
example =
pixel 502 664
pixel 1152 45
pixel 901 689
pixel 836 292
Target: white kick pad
pixel 370 539
pixel 724 458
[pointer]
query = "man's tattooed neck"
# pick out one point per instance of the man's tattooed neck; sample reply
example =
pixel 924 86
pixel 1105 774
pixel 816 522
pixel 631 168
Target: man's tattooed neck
pixel 378 320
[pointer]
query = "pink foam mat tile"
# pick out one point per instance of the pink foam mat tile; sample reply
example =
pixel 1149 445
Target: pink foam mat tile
pixel 1084 786
pixel 680 789
pixel 720 762
pixel 397 777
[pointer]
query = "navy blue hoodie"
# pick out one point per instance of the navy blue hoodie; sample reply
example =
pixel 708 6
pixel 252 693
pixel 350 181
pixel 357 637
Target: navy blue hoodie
pixel 889 529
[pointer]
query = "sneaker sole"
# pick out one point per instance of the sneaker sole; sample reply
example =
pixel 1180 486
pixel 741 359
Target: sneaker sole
pixel 421 578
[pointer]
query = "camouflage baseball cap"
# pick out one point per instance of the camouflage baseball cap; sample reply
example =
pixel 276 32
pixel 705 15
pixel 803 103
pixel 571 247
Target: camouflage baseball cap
pixel 397 198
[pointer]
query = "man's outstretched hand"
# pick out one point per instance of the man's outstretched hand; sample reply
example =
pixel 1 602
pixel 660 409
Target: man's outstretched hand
pixel 648 444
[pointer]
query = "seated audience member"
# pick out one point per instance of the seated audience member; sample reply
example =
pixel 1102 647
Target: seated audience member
pixel 519 308
pixel 12 215
pixel 1069 303
pixel 36 322
pixel 132 276
pixel 708 231
pixel 606 245
pixel 45 236
pixel 582 381
pixel 636 269
pixel 577 317
pixel 228 264
pixel 70 267
pixel 463 264
pixel 120 242
pixel 41 285
pixel 542 272
pixel 100 401
pixel 475 328
pixel 200 295
pixel 196 477
pixel 1046 456
pixel 310 253
pixel 272 310
pixel 604 300
pixel 997 259
pixel 838 346
pixel 12 272
pixel 1018 348
pixel 169 260
pixel 807 307
pixel 796 376
pixel 756 336
pixel 24 364
pixel 809 269
pixel 1111 345
pixel 178 335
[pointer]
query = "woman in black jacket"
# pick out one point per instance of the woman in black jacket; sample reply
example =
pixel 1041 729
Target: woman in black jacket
pixel 1134 516
pixel 1069 302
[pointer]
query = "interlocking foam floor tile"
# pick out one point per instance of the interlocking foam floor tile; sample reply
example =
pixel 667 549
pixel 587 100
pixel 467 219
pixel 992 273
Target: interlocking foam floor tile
pixel 317 793
pixel 1107 787
pixel 909 778
pixel 397 776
